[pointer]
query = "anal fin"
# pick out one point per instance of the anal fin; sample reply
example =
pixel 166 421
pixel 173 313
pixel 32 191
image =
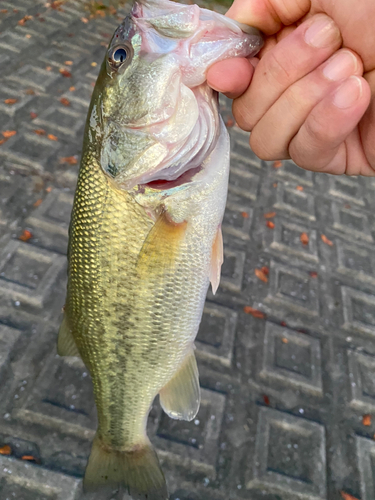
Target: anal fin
pixel 217 259
pixel 66 345
pixel 180 398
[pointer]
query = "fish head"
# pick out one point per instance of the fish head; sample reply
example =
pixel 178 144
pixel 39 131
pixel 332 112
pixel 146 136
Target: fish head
pixel 153 117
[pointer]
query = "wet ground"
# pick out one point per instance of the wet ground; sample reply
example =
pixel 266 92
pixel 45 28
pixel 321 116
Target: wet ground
pixel 286 348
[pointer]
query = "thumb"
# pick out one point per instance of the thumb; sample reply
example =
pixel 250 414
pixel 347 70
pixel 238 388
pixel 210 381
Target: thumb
pixel 268 15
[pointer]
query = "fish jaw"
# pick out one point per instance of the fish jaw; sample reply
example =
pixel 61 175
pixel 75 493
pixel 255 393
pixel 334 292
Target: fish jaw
pixel 154 121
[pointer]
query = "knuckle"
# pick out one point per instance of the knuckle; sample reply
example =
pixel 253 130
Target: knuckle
pixel 276 69
pixel 242 115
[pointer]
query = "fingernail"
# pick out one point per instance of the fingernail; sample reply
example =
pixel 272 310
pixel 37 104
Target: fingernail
pixel 341 66
pixel 348 93
pixel 322 33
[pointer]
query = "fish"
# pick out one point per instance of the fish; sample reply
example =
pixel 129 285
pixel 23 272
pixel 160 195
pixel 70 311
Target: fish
pixel 145 234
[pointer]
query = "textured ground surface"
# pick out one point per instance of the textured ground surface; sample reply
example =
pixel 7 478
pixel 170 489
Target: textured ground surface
pixel 287 396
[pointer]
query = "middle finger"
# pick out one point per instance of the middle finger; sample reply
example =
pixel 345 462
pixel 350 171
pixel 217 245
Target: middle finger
pixel 290 60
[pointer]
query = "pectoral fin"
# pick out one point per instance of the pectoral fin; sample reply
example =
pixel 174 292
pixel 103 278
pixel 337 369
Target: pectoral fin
pixel 217 259
pixel 162 245
pixel 180 398
pixel 66 345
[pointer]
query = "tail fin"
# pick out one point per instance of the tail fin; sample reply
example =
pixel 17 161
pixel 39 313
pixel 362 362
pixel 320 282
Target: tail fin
pixel 138 471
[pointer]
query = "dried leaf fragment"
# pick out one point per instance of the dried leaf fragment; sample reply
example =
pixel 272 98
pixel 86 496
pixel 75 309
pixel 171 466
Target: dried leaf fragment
pixel 84 20
pixel 38 202
pixel 28 457
pixel 245 215
pixel 10 101
pixel 65 101
pixel 299 188
pixel 72 89
pixel 5 450
pixel 284 340
pixel 347 496
pixel 39 131
pixel 254 312
pixel 65 72
pixel 261 275
pixel 313 274
pixel 33 115
pixel 304 238
pixel 266 399
pixel 326 240
pixel 270 224
pixel 26 235
pixel 30 92
pixel 277 164
pixel 48 68
pixel 71 160
pixel 366 420
pixel 22 21
pixel 68 63
pixel 269 215
pixel 52 137
pixel 9 133
pixel 265 270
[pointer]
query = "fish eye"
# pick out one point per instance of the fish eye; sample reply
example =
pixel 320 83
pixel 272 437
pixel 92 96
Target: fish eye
pixel 119 56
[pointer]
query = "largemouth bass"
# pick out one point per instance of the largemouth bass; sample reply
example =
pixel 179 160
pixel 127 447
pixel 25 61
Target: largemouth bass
pixel 145 237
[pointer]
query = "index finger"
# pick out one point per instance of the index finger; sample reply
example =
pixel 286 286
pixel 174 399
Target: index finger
pixel 268 15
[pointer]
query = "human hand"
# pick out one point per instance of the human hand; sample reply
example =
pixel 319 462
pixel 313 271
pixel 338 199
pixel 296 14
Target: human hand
pixel 312 95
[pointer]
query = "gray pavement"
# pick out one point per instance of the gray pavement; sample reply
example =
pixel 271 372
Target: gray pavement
pixel 286 348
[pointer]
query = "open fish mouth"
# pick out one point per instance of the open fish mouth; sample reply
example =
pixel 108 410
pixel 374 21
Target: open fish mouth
pixel 165 184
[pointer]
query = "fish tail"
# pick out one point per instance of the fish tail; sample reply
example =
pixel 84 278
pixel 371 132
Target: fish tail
pixel 137 471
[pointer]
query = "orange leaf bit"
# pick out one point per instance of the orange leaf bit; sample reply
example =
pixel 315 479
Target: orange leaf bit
pixel 33 115
pixel 245 215
pixel 52 137
pixel 299 188
pixel 265 270
pixel 38 202
pixel 68 63
pixel 326 240
pixel 277 164
pixel 366 420
pixel 266 399
pixel 313 274
pixel 261 275
pixel 71 160
pixel 347 496
pixel 254 312
pixel 284 340
pixel 26 235
pixel 9 133
pixel 10 101
pixel 72 88
pixel 28 457
pixel 304 238
pixel 40 131
pixel 270 224
pixel 65 72
pixel 269 215
pixel 5 450
pixel 65 101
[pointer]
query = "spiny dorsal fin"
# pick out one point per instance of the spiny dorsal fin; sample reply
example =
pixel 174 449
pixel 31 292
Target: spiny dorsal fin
pixel 217 259
pixel 66 345
pixel 180 398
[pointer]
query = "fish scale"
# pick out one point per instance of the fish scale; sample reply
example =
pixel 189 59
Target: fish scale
pixel 145 235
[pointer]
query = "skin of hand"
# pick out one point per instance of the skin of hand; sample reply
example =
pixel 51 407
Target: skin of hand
pixel 312 91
